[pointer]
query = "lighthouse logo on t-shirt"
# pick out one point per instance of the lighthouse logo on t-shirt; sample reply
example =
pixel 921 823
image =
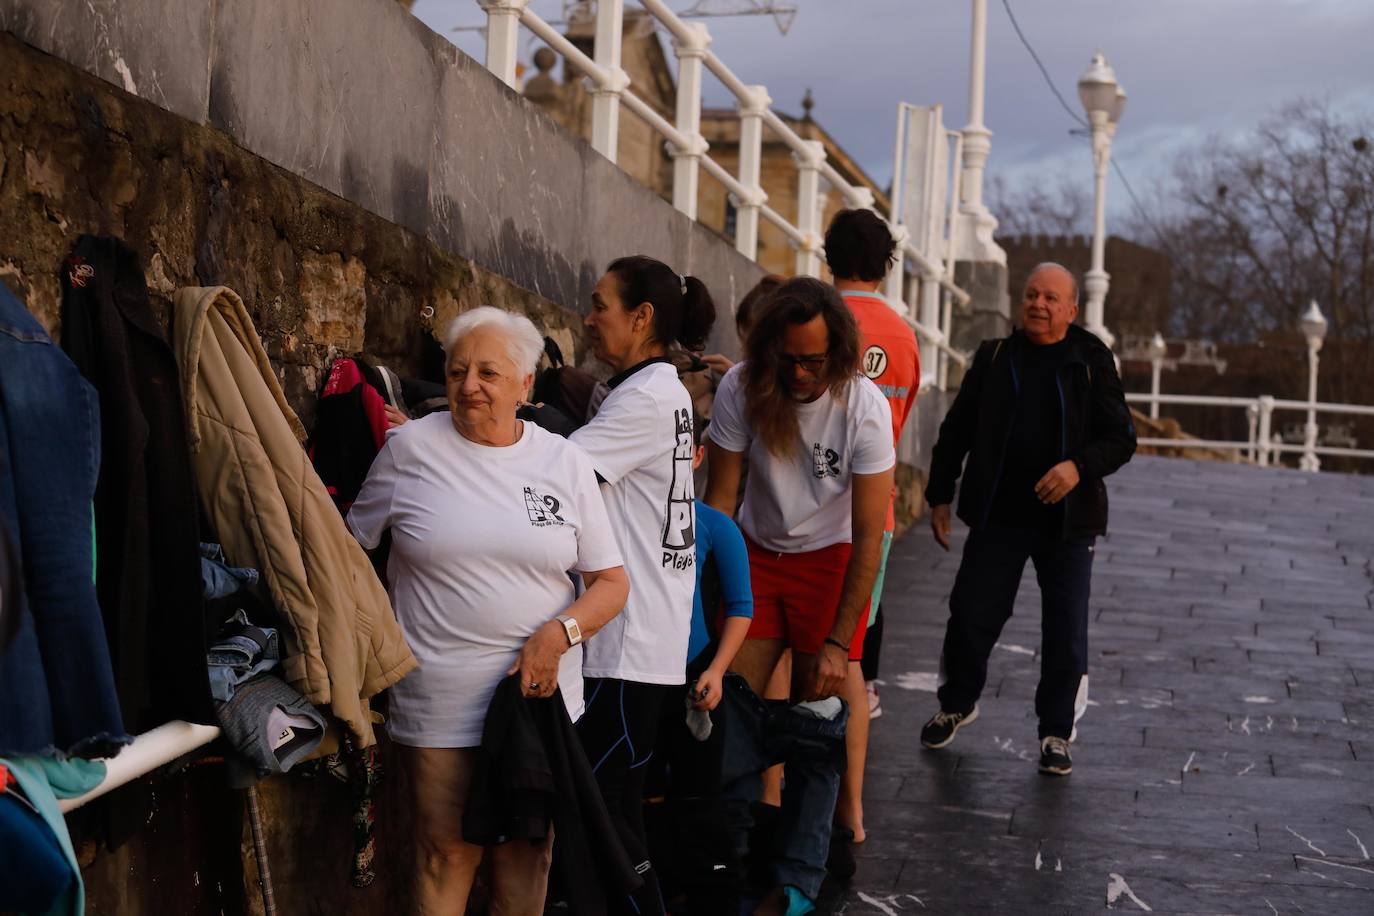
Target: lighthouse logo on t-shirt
pixel 542 509
pixel 825 462
pixel 679 529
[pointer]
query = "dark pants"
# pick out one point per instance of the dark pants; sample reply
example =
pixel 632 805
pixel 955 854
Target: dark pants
pixel 765 732
pixel 981 604
pixel 695 854
pixel 873 647
pixel 618 732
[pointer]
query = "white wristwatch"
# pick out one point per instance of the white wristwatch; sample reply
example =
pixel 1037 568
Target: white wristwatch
pixel 571 628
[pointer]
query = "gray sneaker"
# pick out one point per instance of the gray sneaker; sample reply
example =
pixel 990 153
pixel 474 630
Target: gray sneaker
pixel 1054 757
pixel 940 730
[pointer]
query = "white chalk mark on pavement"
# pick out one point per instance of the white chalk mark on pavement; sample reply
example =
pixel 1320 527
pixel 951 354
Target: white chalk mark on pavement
pixel 921 903
pixel 926 681
pixel 1019 650
pixel 1364 852
pixel 1259 700
pixel 1038 861
pixel 1246 770
pixel 1245 725
pixel 1118 886
pixel 1310 845
pixel 992 815
pixel 884 905
pixel 1189 762
pixel 1320 768
pixel 1327 862
pixel 1058 865
pixel 1271 906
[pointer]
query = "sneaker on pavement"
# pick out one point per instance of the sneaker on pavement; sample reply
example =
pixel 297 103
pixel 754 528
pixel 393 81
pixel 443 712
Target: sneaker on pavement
pixel 875 705
pixel 1054 757
pixel 940 730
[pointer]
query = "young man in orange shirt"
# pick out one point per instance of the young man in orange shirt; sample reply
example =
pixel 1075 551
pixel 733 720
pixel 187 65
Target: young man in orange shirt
pixel 860 250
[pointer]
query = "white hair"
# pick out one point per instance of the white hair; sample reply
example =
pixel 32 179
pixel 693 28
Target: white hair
pixel 1055 265
pixel 523 341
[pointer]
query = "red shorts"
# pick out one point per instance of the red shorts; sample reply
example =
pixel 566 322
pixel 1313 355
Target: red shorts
pixel 796 596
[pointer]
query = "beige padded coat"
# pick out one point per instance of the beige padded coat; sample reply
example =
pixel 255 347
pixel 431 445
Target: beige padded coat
pixel 270 510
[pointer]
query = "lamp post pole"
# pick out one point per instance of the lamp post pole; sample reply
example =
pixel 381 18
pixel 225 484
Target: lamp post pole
pixel 1158 350
pixel 1103 100
pixel 1314 329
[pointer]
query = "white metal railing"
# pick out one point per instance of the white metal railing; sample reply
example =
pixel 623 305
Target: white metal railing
pixel 1262 445
pixel 610 86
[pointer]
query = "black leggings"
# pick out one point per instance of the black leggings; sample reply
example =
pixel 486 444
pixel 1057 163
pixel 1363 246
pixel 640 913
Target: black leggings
pixel 873 647
pixel 618 731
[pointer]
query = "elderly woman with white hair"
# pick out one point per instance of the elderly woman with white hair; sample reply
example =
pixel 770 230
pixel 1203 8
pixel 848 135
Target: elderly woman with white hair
pixel 488 515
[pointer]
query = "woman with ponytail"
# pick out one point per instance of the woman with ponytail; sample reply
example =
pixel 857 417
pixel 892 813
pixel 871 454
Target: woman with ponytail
pixel 640 443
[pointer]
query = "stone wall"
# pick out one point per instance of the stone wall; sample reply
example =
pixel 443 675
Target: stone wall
pixel 321 276
pixel 362 100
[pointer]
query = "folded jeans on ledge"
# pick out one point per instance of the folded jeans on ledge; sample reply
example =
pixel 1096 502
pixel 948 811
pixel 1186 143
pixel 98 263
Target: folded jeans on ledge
pixel 240 652
pixel 219 579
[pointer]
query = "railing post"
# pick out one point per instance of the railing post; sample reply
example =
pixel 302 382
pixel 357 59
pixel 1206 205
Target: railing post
pixel 1266 414
pixel 809 208
pixel 687 162
pixel 750 169
pixel 895 284
pixel 610 24
pixel 503 34
pixel 1252 419
pixel 946 327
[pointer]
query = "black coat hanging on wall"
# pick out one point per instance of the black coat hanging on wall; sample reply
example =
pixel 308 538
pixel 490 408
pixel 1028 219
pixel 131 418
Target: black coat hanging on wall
pixel 147 532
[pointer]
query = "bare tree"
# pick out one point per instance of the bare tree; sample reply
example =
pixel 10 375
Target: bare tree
pixel 1258 227
pixel 1040 208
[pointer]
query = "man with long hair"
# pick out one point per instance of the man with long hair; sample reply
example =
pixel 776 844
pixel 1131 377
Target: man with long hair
pixel 819 440
pixel 860 250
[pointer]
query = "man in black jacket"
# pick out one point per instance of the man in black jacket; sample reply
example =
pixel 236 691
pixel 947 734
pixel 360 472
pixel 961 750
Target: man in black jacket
pixel 1042 419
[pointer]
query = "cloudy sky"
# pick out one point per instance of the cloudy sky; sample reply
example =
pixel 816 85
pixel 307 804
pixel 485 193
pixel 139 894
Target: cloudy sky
pixel 1192 69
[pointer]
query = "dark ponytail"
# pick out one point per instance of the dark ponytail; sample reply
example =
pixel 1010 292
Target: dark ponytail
pixel 683 310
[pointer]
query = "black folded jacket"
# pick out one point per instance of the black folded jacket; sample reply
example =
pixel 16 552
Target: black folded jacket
pixel 531 772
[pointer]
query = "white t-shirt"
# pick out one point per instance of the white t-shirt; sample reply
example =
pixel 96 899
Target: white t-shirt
pixel 802 502
pixel 482 542
pixel 640 442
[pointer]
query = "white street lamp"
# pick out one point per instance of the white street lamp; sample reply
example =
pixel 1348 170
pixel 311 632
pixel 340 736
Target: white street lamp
pixel 1158 350
pixel 1104 101
pixel 1314 329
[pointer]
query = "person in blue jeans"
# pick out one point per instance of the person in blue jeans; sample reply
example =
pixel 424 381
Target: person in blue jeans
pixel 704 864
pixel 1042 420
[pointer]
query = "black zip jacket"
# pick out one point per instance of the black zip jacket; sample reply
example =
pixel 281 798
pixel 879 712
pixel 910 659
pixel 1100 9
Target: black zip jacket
pixel 531 772
pixel 1095 425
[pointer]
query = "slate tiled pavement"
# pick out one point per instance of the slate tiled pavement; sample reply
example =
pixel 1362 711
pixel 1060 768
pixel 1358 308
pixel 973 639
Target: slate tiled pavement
pixel 1226 764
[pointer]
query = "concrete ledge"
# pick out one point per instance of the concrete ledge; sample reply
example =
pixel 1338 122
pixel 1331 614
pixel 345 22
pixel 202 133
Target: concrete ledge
pixel 158 50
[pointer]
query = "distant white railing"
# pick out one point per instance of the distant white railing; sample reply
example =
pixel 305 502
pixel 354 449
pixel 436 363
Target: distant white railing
pixel 1263 445
pixel 610 87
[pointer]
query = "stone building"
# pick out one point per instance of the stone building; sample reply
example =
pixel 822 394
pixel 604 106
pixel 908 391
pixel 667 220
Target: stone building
pixel 643 154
